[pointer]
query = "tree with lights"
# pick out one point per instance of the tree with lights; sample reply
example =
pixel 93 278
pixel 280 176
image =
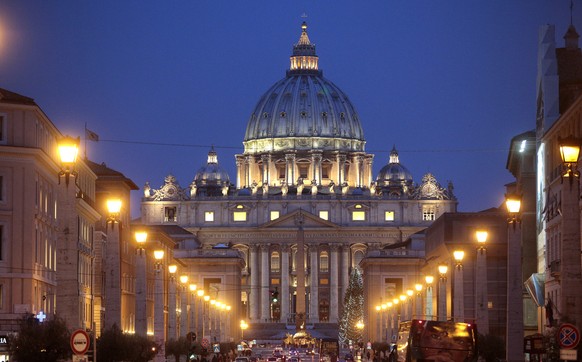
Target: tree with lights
pixel 353 309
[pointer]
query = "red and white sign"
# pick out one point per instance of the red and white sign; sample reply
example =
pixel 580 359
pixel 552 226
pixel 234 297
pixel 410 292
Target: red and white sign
pixel 568 336
pixel 205 342
pixel 79 341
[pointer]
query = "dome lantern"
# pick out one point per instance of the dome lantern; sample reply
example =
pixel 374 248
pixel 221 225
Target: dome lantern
pixel 304 60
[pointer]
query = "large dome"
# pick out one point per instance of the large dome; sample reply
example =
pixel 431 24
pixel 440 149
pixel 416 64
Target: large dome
pixel 211 174
pixel 394 173
pixel 304 110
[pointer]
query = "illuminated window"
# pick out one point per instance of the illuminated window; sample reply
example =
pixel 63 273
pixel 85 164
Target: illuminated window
pixel 323 281
pixel 358 216
pixel 325 170
pixel 170 214
pixel 275 215
pixel 324 214
pixel 239 216
pixel 489 305
pixel 428 213
pixel 209 216
pixel 323 261
pixel 389 215
pixel 275 262
pixel 358 206
pixel 239 207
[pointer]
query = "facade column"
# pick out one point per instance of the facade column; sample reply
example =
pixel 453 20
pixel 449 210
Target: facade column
pixel 264 287
pixel 333 284
pixel 341 168
pixel 368 174
pixel 314 284
pixel 358 161
pixel 266 160
pixel 571 267
pixel 345 271
pixel 255 293
pixel 290 168
pixel 316 162
pixel 285 295
pixel 141 318
pixel 240 174
pixel 248 162
pixel 481 298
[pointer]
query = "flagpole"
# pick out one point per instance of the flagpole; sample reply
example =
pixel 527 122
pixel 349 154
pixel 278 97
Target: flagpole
pixel 85 140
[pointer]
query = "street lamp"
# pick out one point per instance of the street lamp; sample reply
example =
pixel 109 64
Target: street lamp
pixel 159 326
pixel 481 302
pixel 418 301
pixel 114 210
pixel 141 325
pixel 360 327
pixel 243 327
pixel 442 293
pixel 514 318
pixel 68 148
pixel 570 152
pixel 459 295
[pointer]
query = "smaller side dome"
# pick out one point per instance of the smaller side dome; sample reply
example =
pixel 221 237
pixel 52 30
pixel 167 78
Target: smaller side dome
pixel 210 179
pixel 394 178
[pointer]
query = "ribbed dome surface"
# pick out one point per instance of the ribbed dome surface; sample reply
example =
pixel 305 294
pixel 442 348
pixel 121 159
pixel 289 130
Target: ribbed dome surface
pixel 211 174
pixel 304 105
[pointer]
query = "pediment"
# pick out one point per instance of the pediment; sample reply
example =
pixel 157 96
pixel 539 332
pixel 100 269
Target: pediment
pixel 291 221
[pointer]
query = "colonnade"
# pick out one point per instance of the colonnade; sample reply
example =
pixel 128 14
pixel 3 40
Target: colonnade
pixel 261 276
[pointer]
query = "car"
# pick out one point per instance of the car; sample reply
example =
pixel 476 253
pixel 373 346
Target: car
pixel 272 359
pixel 293 359
pixel 242 359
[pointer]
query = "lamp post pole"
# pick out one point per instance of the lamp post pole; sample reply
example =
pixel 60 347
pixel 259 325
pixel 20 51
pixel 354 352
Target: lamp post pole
pixel 184 306
pixel 428 310
pixel 459 296
pixel 514 319
pixel 418 301
pixel 442 293
pixel 172 320
pixel 159 327
pixel 141 320
pixel 481 302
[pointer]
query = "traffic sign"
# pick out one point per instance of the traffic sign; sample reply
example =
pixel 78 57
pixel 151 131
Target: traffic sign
pixel 79 341
pixel 205 342
pixel 568 336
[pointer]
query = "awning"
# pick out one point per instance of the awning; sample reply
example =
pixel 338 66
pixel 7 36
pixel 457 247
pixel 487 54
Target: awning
pixel 535 287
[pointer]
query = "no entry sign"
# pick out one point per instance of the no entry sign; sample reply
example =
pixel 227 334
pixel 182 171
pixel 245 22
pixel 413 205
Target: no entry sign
pixel 79 341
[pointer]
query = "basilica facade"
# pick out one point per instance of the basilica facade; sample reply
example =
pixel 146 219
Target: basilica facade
pixel 303 210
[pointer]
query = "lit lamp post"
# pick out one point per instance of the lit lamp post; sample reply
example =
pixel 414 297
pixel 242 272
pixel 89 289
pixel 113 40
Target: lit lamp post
pixel 68 149
pixel 205 316
pixel 389 321
pixel 403 307
pixel 429 279
pixel 360 328
pixel 198 325
pixel 243 327
pixel 442 293
pixel 514 283
pixel 418 301
pixel 379 321
pixel 141 320
pixel 459 296
pixel 570 263
pixel 481 302
pixel 159 328
pixel 409 303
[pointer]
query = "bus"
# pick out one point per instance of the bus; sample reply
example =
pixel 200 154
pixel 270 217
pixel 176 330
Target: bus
pixel 329 349
pixel 426 340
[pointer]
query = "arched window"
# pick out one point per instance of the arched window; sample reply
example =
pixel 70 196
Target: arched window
pixel 275 261
pixel 323 261
pixel 358 256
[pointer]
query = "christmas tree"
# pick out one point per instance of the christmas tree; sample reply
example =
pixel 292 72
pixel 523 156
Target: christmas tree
pixel 353 312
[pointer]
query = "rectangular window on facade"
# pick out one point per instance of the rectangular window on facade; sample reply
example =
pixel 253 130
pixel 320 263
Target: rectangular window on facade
pixel 275 215
pixel 324 281
pixel 389 215
pixel 325 170
pixel 239 216
pixel 428 213
pixel 281 171
pixel 358 216
pixel 324 214
pixel 275 281
pixel 209 216
pixel 303 169
pixel 170 214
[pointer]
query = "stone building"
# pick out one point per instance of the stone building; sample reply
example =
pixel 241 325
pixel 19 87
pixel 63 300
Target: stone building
pixel 304 210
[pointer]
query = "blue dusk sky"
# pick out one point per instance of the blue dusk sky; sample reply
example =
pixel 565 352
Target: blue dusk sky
pixel 449 83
